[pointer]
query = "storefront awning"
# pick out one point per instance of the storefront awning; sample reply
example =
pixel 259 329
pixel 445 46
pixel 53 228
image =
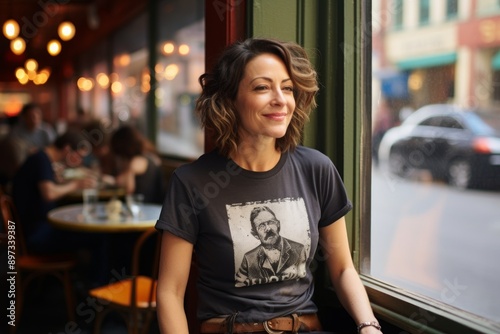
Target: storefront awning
pixel 495 61
pixel 429 61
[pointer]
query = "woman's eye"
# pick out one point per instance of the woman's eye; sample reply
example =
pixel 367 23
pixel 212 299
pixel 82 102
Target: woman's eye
pixel 288 88
pixel 261 88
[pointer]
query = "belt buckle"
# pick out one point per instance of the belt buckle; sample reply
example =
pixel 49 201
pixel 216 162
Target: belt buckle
pixel 269 330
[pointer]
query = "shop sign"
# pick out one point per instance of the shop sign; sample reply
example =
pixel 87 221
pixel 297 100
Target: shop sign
pixel 424 42
pixel 480 33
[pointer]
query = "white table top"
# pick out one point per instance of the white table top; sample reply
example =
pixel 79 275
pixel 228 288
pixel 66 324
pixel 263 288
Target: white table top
pixel 71 217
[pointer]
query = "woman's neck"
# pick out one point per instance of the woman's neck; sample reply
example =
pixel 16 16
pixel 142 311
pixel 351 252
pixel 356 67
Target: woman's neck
pixel 257 159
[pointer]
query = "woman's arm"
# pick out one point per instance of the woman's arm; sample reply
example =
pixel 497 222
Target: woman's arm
pixel 52 191
pixel 345 278
pixel 175 263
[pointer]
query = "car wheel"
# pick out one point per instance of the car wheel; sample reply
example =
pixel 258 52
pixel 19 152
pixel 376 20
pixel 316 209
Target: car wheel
pixel 398 165
pixel 460 173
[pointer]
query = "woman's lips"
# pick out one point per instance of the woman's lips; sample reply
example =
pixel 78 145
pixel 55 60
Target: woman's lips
pixel 276 116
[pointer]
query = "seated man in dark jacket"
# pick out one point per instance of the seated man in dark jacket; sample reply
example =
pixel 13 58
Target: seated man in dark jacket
pixel 36 190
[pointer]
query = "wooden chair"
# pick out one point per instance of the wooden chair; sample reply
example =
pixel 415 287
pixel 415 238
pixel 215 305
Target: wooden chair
pixel 134 298
pixel 31 266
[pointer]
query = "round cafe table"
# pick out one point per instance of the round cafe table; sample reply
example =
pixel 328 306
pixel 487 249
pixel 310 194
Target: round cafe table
pixel 71 217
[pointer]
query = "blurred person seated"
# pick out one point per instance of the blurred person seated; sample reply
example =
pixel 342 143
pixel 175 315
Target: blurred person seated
pixel 80 121
pixel 138 165
pixel 12 155
pixel 31 129
pixel 36 190
pixel 100 159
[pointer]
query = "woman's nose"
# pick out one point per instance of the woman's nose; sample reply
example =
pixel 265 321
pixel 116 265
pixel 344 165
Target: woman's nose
pixel 279 97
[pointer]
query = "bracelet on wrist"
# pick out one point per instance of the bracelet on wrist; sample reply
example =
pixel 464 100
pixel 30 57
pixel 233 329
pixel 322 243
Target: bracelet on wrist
pixel 368 324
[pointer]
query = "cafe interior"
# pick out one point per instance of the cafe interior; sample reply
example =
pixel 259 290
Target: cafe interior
pixel 95 67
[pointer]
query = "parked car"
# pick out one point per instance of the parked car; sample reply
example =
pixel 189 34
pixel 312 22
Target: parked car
pixel 458 145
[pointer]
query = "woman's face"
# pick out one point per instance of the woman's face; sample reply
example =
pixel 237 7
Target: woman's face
pixel 265 101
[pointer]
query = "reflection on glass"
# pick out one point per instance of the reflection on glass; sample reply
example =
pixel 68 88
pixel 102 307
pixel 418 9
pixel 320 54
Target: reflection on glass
pixel 181 62
pixel 436 151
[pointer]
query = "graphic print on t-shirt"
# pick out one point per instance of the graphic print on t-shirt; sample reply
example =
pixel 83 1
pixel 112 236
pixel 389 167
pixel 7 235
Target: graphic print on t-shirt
pixel 271 240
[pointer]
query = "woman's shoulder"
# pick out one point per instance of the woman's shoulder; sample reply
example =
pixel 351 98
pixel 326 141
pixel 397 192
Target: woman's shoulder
pixel 207 162
pixel 308 155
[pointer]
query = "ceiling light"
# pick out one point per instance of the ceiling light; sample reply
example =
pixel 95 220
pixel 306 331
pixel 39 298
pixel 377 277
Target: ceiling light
pixel 103 80
pixel 11 29
pixel 184 49
pixel 18 45
pixel 54 47
pixel 66 30
pixel 21 73
pixel 168 48
pixel 31 65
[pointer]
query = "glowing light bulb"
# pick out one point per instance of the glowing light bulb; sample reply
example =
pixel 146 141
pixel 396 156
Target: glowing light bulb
pixel 31 65
pixel 66 30
pixel 11 29
pixel 102 80
pixel 168 48
pixel 18 45
pixel 54 47
pixel 184 49
pixel 21 73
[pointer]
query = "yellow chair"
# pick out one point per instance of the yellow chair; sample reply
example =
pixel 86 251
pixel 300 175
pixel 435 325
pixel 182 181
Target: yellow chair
pixel 134 298
pixel 31 266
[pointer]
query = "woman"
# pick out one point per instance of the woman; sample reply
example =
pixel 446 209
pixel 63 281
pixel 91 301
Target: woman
pixel 251 208
pixel 138 167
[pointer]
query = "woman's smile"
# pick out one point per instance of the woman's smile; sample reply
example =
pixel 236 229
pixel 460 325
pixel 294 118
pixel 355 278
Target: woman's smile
pixel 276 116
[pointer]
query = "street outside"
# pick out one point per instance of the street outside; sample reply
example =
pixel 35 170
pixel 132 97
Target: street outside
pixel 438 241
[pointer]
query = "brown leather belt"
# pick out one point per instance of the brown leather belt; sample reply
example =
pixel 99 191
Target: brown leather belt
pixel 290 324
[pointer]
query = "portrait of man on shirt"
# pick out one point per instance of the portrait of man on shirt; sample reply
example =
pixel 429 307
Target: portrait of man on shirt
pixel 276 258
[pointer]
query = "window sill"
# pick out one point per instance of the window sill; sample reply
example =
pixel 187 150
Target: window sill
pixel 416 313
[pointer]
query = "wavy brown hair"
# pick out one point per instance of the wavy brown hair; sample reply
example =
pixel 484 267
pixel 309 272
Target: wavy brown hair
pixel 215 106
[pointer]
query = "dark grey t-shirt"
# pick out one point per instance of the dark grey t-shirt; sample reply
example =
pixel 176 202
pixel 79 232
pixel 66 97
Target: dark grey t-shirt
pixel 209 203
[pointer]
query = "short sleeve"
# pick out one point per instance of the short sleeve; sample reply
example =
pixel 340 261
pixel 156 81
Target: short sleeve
pixel 179 212
pixel 333 196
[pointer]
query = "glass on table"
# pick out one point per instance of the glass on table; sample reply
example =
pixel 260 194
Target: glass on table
pixel 90 198
pixel 134 204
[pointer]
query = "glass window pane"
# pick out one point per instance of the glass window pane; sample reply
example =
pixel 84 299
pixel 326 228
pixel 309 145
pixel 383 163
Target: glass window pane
pixel 181 60
pixel 424 11
pixel 451 9
pixel 129 80
pixel 398 14
pixel 436 153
